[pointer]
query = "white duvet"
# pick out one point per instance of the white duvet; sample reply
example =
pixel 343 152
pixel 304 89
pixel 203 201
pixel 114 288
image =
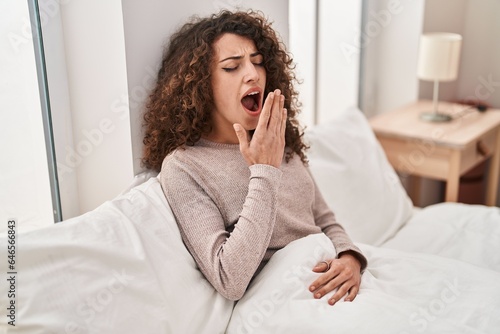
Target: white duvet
pixel 469 233
pixel 401 292
pixel 123 268
pixel 439 274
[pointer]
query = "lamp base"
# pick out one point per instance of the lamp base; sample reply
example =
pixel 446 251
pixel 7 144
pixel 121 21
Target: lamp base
pixel 435 117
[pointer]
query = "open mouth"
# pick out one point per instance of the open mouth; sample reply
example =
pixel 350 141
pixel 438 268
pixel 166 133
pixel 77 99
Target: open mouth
pixel 251 101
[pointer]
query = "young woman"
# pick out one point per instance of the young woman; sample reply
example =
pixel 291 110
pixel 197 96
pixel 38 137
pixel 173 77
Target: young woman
pixel 221 126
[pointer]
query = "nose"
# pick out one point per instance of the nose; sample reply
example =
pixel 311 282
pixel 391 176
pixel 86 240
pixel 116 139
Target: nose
pixel 251 73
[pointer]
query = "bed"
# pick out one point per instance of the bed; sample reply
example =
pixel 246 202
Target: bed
pixel 122 268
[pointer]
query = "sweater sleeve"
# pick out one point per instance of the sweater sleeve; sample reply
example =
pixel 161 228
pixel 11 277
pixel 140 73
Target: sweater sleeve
pixel 228 260
pixel 325 219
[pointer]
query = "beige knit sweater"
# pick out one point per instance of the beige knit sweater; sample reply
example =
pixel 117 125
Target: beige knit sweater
pixel 233 217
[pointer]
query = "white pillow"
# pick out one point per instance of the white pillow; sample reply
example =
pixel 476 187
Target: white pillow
pixel 355 178
pixel 121 268
pixel 140 179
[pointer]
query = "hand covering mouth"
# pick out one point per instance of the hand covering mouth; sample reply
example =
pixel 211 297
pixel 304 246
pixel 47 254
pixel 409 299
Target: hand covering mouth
pixel 251 101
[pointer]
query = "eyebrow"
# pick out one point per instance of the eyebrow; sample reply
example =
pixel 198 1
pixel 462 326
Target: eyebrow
pixel 255 54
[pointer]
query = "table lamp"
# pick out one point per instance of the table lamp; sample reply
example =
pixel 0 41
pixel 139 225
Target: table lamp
pixel 438 60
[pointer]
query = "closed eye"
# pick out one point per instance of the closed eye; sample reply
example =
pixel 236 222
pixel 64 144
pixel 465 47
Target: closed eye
pixel 258 59
pixel 229 69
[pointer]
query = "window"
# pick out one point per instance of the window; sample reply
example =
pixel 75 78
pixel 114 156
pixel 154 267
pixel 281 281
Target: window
pixel 324 39
pixel 27 190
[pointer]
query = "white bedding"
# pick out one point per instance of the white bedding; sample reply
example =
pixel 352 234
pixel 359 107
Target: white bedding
pixel 469 233
pixel 123 268
pixel 401 292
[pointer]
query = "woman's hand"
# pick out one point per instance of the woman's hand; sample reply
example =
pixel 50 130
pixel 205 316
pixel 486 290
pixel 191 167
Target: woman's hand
pixel 268 141
pixel 342 273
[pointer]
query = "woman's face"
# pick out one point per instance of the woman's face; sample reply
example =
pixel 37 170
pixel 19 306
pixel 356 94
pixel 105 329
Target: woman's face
pixel 238 82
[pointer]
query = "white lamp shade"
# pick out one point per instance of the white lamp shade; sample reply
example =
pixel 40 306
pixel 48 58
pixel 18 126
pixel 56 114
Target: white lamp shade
pixel 439 56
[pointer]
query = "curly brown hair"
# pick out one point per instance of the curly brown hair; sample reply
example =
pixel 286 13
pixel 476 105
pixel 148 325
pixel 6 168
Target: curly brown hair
pixel 179 109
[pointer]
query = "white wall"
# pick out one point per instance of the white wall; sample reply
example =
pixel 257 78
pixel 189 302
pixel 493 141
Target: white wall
pixel 338 57
pixel 481 52
pixel 435 20
pixel 477 21
pixel 147 26
pixel 391 38
pixel 94 47
pixel 326 50
pixel 24 183
pixel 392 31
pixel 302 26
pixel 390 63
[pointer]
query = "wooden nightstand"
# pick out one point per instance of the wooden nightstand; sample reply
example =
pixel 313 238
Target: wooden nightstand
pixel 442 151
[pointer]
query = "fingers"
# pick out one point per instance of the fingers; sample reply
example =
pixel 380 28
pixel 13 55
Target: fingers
pixel 266 145
pixel 330 273
pixel 283 123
pixel 340 277
pixel 242 137
pixel 342 291
pixel 353 292
pixel 321 268
pixel 326 283
pixel 276 112
pixel 266 111
pixel 272 114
